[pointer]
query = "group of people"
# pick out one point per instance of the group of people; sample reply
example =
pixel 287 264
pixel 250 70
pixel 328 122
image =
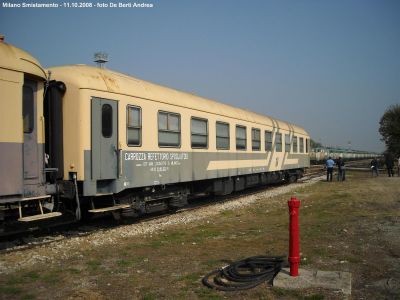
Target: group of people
pixel 330 163
pixel 389 162
pixel 341 174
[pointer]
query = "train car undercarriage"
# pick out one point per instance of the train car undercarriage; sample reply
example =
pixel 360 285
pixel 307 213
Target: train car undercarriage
pixel 69 206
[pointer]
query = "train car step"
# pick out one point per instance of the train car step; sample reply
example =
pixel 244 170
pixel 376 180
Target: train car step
pixel 110 208
pixel 40 217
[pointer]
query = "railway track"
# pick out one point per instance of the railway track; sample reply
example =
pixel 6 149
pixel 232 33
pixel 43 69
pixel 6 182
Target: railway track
pixel 41 236
pixel 27 240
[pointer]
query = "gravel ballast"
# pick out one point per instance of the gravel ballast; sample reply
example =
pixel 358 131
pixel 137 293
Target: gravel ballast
pixel 64 248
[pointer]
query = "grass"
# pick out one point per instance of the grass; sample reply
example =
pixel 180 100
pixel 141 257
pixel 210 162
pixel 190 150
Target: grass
pixel 150 296
pixel 212 263
pixel 342 225
pixel 129 261
pixel 52 277
pixel 228 213
pixel 28 297
pixel 74 271
pixel 93 265
pixel 32 275
pixel 155 244
pixel 175 237
pixel 208 294
pixel 314 297
pixel 10 290
pixel 204 233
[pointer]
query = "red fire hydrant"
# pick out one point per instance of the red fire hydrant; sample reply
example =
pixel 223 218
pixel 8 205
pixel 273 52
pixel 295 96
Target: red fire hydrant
pixel 294 247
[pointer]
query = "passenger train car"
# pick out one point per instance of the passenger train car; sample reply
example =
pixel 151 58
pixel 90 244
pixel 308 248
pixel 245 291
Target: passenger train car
pixel 78 140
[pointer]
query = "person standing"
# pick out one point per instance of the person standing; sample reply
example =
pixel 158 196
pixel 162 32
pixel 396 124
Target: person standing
pixel 343 170
pixel 374 167
pixel 389 164
pixel 329 168
pixel 340 166
pixel 398 166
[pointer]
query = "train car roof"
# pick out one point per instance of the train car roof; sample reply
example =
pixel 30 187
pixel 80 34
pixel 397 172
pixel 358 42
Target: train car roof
pixel 88 77
pixel 13 58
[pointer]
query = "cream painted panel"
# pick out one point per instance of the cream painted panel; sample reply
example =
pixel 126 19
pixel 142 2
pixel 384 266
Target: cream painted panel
pixel 40 117
pixel 11 107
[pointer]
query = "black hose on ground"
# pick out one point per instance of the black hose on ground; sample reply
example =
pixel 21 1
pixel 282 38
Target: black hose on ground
pixel 245 274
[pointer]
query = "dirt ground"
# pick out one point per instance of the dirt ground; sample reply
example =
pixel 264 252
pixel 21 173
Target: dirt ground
pixel 351 226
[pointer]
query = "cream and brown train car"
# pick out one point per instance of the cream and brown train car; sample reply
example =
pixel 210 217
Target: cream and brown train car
pixel 23 183
pixel 150 146
pixel 86 140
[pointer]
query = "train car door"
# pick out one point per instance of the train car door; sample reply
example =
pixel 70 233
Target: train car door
pixel 104 139
pixel 30 152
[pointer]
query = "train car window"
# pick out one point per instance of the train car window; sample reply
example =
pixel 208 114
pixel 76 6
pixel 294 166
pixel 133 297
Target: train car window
pixel 255 139
pixel 106 120
pixel 295 147
pixel 162 121
pixel 169 129
pixel 28 109
pixel 278 142
pixel 301 145
pixel 222 132
pixel 307 145
pixel 199 133
pixel 241 139
pixel 268 141
pixel 133 125
pixel 287 143
pixel 173 122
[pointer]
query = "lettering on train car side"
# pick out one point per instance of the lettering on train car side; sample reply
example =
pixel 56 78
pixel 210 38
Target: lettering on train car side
pixel 156 161
pixel 135 156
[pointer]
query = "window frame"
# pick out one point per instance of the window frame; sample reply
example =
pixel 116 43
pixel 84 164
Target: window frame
pixel 278 142
pixel 191 133
pixel 104 121
pixel 301 144
pixel 245 138
pixel 295 143
pixel 28 111
pixel 132 127
pixel 253 140
pixel 287 145
pixel 169 131
pixel 224 137
pixel 267 142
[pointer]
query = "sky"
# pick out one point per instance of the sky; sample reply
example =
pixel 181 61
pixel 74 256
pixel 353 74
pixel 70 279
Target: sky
pixel 331 67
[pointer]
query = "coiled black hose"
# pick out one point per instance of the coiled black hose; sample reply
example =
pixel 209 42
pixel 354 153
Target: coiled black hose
pixel 245 274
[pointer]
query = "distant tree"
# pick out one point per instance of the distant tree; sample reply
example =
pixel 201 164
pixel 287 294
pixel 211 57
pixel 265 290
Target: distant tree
pixel 315 144
pixel 390 129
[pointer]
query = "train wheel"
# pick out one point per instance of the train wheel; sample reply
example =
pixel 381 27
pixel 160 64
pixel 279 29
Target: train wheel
pixel 291 178
pixel 116 215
